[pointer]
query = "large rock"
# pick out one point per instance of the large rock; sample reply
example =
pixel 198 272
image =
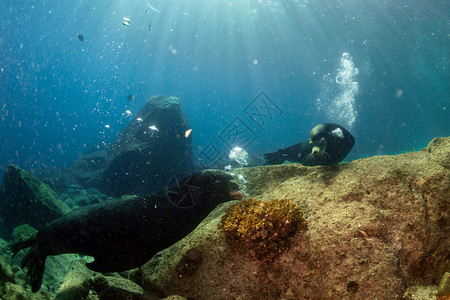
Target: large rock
pixel 150 150
pixel 26 200
pixel 58 179
pixel 76 282
pixel 376 226
pixel 5 272
pixel 89 168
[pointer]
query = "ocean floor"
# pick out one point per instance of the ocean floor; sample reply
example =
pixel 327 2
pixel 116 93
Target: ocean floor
pixel 377 228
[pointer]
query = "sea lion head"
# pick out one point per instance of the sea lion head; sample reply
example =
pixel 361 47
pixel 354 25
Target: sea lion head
pixel 330 144
pixel 207 189
pixel 317 137
pixel 234 190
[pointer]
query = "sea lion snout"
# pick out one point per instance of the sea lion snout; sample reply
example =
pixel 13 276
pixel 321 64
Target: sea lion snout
pixel 316 151
pixel 235 195
pixel 234 192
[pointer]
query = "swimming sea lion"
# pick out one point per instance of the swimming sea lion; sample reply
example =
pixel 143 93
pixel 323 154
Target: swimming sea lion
pixel 125 234
pixel 328 144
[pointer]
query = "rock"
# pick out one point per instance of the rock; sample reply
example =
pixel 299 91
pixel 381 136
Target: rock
pixel 175 297
pixel 58 179
pixel 376 226
pixel 98 283
pixel 420 293
pixel 26 200
pixel 121 288
pixel 150 150
pixel 6 274
pixel 117 287
pixel 88 168
pixel 128 197
pixel 23 232
pixel 76 282
pixel 13 291
pixel 444 285
pixel 42 295
pixel 3 245
pixel 56 270
pixel 78 196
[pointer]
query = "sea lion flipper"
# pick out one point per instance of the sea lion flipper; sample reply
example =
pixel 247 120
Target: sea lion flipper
pixel 17 246
pixel 274 158
pixel 34 261
pixel 295 153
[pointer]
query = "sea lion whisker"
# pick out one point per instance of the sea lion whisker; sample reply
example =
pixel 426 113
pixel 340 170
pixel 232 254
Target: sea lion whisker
pixel 310 158
pixel 327 156
pixel 323 158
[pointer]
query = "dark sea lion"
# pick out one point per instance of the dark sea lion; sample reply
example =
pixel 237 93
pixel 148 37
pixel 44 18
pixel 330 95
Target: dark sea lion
pixel 125 234
pixel 328 145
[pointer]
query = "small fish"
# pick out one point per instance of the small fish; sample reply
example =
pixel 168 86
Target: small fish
pixel 187 133
pixel 130 97
pixel 126 22
pixel 153 127
pixel 80 37
pixel 139 119
pixel 150 27
pixel 362 233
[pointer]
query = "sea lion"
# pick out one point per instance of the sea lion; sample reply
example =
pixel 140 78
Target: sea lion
pixel 328 145
pixel 124 234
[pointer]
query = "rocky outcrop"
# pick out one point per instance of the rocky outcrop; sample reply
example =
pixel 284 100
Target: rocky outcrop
pixel 147 154
pixel 376 226
pixel 58 179
pixel 89 168
pixel 75 284
pixel 26 200
pixel 80 282
pixel 77 196
pixel 150 150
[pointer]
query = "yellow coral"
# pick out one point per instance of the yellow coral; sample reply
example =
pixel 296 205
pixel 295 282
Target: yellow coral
pixel 262 228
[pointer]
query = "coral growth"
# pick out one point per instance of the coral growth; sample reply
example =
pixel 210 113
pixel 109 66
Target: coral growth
pixel 262 228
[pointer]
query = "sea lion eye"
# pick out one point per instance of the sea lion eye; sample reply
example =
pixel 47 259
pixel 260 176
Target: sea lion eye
pixel 321 142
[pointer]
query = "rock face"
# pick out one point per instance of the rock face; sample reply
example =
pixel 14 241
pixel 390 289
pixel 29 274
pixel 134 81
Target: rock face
pixel 150 150
pixel 26 200
pixel 88 169
pixel 376 226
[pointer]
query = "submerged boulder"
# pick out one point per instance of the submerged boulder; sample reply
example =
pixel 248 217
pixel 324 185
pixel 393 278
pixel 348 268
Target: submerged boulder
pixel 88 168
pixel 26 200
pixel 150 150
pixel 58 179
pixel 376 226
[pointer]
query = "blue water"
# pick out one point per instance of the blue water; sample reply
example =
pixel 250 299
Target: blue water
pixel 379 68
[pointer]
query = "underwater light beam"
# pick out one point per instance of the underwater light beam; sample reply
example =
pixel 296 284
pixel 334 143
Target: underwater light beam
pixel 153 8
